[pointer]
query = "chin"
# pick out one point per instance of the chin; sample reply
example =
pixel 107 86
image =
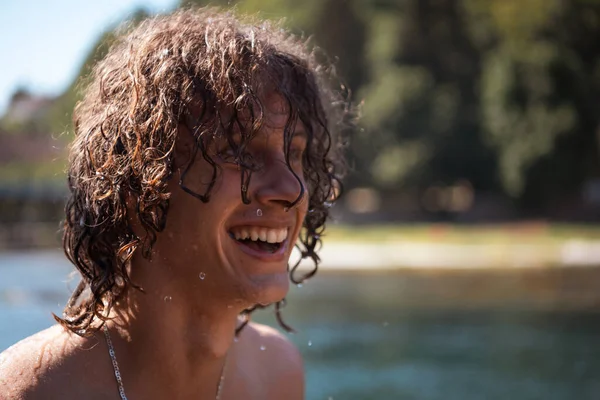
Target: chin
pixel 260 274
pixel 266 289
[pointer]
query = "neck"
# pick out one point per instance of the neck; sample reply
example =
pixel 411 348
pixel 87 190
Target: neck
pixel 172 344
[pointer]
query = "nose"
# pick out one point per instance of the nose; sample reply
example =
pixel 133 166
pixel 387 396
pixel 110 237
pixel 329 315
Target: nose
pixel 278 184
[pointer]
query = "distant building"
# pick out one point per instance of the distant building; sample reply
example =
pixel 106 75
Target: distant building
pixel 25 106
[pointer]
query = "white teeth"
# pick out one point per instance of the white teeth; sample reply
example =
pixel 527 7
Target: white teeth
pixel 260 233
pixel 272 236
pixel 241 234
pixel 282 235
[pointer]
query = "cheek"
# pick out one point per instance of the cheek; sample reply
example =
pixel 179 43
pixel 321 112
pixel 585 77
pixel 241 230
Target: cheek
pixel 195 181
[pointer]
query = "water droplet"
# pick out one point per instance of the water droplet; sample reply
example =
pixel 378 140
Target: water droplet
pixel 244 188
pixel 81 221
pixel 229 306
pixel 385 324
pixel 168 298
pixel 309 343
pixel 311 210
pixel 235 339
pixel 202 275
pixel 328 204
pixel 263 347
pixel 259 212
pixel 299 285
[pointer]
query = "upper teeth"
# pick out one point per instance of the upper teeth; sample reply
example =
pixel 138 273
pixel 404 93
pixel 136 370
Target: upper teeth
pixel 260 233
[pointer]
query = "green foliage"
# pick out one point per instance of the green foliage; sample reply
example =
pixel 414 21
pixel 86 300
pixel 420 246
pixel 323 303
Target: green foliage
pixel 501 93
pixel 45 173
pixel 487 91
pixel 526 130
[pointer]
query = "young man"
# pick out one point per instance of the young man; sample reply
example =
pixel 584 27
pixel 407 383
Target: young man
pixel 203 154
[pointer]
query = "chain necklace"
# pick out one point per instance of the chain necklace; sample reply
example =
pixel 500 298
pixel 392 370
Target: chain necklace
pixel 113 358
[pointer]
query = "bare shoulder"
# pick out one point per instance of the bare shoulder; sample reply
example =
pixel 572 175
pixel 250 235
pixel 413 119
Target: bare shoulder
pixel 279 359
pixel 20 364
pixel 42 366
pixel 267 338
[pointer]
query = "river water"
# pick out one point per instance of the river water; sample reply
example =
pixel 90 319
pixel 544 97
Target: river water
pixel 385 336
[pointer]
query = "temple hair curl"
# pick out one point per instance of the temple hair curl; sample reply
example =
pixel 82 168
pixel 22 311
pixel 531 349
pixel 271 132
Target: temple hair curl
pixel 127 123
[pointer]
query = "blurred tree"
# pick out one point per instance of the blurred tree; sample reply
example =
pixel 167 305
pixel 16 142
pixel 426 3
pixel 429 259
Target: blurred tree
pixel 503 94
pixel 423 98
pixel 539 95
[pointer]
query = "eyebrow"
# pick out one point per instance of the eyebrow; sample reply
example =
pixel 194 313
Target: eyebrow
pixel 301 133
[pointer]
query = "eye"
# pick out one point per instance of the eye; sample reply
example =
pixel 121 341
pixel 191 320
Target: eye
pixel 227 155
pixel 243 160
pixel 296 154
pixel 226 150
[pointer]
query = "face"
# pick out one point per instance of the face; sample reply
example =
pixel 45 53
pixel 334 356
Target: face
pixel 234 251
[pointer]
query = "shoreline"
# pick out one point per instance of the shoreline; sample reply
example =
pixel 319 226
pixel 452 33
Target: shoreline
pixel 400 255
pixel 416 255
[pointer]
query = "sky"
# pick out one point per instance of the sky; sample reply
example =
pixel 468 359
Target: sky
pixel 43 43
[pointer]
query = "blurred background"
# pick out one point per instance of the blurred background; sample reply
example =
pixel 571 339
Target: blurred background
pixel 463 261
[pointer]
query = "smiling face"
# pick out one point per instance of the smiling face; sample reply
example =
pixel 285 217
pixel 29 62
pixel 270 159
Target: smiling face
pixel 130 223
pixel 234 250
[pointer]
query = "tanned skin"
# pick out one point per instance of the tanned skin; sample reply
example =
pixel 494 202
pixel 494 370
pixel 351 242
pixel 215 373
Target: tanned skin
pixel 172 340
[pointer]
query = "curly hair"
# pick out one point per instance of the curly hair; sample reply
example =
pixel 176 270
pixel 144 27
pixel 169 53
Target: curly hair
pixel 127 123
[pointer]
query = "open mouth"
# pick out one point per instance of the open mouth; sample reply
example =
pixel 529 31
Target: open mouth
pixel 267 240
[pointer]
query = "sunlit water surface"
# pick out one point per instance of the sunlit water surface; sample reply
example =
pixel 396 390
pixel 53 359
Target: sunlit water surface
pixel 361 341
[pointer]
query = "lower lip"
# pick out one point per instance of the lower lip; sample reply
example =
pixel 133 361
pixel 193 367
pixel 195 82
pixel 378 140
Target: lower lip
pixel 264 256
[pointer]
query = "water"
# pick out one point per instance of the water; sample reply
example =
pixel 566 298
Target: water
pixel 376 336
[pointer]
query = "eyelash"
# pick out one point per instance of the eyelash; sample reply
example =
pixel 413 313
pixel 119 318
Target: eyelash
pixel 296 154
pixel 227 155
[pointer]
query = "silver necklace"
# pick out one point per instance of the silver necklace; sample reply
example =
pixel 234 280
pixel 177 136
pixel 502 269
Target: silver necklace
pixel 113 358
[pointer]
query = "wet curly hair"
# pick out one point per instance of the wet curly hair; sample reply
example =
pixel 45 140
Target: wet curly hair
pixel 127 123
